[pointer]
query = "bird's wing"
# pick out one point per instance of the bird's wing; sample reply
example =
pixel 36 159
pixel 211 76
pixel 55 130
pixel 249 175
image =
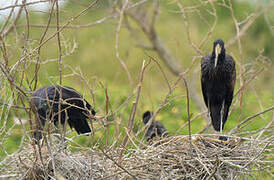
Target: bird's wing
pixel 230 86
pixel 70 93
pixel 161 130
pixel 205 62
pixel 231 82
pixel 73 98
pixel 204 91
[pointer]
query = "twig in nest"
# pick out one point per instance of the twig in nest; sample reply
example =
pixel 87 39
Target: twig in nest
pixel 117 164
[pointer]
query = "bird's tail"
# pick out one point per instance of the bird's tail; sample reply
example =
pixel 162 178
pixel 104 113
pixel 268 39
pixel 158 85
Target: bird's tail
pixel 215 113
pixel 81 126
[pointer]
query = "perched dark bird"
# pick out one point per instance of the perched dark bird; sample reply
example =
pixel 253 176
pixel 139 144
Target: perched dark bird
pixel 73 108
pixel 218 80
pixel 155 129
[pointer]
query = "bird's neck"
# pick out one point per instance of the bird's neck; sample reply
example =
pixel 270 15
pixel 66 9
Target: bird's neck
pixel 221 57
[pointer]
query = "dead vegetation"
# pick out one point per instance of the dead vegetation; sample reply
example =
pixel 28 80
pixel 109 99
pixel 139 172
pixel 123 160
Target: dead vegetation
pixel 204 157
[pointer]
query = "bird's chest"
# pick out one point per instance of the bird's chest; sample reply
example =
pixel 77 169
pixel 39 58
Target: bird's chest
pixel 219 74
pixel 217 86
pixel 216 77
pixel 217 80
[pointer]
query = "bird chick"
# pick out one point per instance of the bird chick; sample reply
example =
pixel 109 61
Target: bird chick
pixel 156 128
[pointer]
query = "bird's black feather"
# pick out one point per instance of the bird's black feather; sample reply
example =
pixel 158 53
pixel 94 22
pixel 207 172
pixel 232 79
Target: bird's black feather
pixel 74 107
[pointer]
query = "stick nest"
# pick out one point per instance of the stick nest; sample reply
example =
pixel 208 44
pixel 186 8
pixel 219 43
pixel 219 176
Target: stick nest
pixel 176 157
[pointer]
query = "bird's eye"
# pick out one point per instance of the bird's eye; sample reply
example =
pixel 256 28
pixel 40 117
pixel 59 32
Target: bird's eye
pixel 93 112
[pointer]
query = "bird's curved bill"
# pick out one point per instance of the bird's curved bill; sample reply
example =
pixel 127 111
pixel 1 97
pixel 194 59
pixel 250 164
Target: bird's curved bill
pixel 217 52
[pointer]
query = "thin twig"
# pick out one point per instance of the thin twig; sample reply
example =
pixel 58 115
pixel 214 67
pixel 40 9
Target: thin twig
pixel 249 118
pixel 135 103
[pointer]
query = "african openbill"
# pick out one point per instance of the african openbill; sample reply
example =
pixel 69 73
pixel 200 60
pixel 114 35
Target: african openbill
pixel 156 128
pixel 218 80
pixel 73 108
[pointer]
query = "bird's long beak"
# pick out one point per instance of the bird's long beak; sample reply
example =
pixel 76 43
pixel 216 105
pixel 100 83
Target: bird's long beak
pixel 217 52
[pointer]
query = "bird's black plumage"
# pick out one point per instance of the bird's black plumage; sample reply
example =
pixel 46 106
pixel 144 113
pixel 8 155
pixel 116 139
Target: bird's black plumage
pixel 156 128
pixel 73 107
pixel 218 80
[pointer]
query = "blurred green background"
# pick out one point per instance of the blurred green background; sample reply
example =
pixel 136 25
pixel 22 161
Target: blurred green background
pixel 91 52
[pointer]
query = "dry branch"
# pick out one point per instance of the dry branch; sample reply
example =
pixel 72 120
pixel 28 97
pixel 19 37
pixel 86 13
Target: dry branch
pixel 139 15
pixel 135 103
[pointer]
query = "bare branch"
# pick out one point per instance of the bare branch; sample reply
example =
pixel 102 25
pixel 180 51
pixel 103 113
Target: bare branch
pixel 117 42
pixel 250 118
pixel 12 26
pixel 138 14
pixel 135 103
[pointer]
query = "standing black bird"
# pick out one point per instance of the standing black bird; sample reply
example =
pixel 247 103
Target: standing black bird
pixel 156 128
pixel 218 80
pixel 73 108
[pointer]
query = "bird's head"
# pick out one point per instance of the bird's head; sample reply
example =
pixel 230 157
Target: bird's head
pixel 89 112
pixel 146 116
pixel 92 114
pixel 218 51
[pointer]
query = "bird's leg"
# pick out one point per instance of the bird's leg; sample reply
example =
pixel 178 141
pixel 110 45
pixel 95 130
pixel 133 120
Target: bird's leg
pixel 65 123
pixel 222 116
pixel 208 118
pixel 63 140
